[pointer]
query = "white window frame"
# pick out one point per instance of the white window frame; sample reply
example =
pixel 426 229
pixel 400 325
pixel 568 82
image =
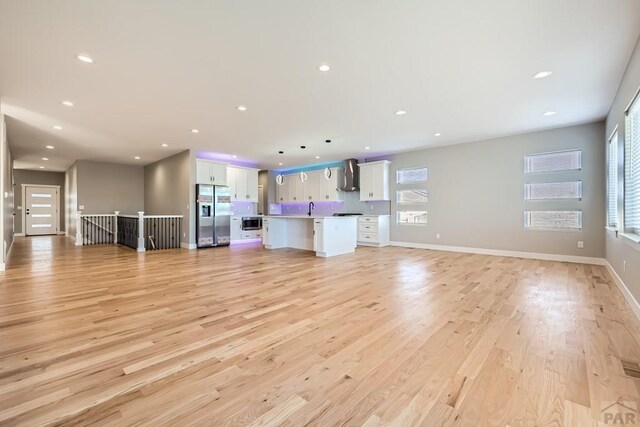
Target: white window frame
pixel 560 229
pixel 578 150
pixel 528 184
pixel 412 224
pixel 629 144
pixel 399 171
pixel 613 147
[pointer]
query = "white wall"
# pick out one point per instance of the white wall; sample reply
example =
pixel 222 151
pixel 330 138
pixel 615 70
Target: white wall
pixel 6 198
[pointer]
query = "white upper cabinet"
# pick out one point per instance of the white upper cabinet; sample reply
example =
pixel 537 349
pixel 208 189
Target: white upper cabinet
pixel 310 186
pixel 328 183
pixel 208 172
pixel 243 184
pixel 296 190
pixel 374 181
pixel 319 186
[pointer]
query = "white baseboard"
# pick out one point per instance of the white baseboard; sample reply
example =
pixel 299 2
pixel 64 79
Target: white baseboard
pixel 498 252
pixel 631 300
pixel 188 245
pixel 61 233
pixel 18 234
pixel 2 266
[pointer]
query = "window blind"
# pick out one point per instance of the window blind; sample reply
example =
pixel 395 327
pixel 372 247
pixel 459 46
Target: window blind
pixel 553 220
pixel 553 190
pixel 411 176
pixel 612 182
pixel 411 196
pixel 632 169
pixel 558 161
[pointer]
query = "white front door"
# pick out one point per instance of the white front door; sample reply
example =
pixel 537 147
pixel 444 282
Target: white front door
pixel 41 210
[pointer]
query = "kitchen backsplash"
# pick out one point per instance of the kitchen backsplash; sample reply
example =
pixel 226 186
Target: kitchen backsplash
pixel 244 208
pixel 350 204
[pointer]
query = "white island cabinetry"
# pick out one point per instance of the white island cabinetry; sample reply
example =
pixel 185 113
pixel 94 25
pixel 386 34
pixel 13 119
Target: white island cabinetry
pixel 325 235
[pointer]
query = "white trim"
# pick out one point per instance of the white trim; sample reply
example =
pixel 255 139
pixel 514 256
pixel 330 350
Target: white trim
pixel 631 236
pixel 58 207
pixel 498 252
pixel 2 266
pixel 18 235
pixel 628 296
pixel 188 245
pixel 61 233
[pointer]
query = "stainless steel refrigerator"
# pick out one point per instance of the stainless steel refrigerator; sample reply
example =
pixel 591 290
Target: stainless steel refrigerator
pixel 213 216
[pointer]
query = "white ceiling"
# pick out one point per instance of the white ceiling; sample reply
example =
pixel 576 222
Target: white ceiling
pixel 458 67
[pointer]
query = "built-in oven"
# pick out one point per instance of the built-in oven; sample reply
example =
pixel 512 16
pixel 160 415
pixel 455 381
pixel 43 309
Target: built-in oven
pixel 251 223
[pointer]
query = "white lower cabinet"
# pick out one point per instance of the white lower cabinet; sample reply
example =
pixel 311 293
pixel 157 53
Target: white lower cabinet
pixel 373 230
pixel 238 234
pixel 236 228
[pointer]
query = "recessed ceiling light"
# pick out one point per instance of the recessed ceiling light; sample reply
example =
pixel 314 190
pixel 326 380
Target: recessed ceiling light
pixel 165 145
pixel 548 113
pixel 45 158
pixel 400 113
pixel 280 164
pixel 324 68
pixel 234 156
pixel 85 58
pixel 67 103
pixel 542 74
pixel 194 131
pixel 328 141
pixel 367 148
pixel 137 157
pixel 317 157
pixel 41 167
pixel 280 152
pixel 57 127
pixel 49 147
pixel 437 134
pixel 242 108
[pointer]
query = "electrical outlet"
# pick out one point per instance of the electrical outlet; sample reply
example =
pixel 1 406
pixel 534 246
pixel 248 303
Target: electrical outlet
pixel 81 207
pixel 437 236
pixel 184 234
pixel 371 206
pixel 624 265
pixel 580 245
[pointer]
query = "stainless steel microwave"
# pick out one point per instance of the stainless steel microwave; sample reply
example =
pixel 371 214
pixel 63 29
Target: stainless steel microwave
pixel 251 223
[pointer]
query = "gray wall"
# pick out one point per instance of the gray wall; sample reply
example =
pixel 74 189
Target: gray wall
pixel 167 189
pixel 107 187
pixel 22 176
pixel 6 198
pixel 71 199
pixel 476 195
pixel 618 248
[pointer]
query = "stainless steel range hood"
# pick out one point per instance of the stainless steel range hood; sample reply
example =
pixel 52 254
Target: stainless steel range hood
pixel 351 176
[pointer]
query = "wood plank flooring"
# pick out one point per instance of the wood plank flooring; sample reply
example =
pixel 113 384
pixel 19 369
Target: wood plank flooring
pixel 241 336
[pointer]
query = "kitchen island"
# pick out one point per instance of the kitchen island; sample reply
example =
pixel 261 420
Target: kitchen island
pixel 325 235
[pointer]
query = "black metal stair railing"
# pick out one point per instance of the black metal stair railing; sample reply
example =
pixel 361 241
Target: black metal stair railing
pixel 128 231
pixel 162 232
pixel 97 229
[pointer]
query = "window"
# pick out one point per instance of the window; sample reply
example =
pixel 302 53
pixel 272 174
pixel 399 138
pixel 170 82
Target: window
pixel 553 190
pixel 553 220
pixel 612 182
pixel 411 176
pixel 559 161
pixel 412 217
pixel 411 196
pixel 632 169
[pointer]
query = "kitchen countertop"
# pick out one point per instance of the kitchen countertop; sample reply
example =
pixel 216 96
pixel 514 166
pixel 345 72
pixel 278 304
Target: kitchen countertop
pixel 307 216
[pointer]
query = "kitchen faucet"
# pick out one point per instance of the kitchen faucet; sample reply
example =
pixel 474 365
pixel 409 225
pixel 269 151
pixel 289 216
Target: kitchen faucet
pixel 311 206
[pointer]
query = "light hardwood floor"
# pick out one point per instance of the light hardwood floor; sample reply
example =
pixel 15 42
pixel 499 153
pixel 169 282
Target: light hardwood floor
pixel 244 336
